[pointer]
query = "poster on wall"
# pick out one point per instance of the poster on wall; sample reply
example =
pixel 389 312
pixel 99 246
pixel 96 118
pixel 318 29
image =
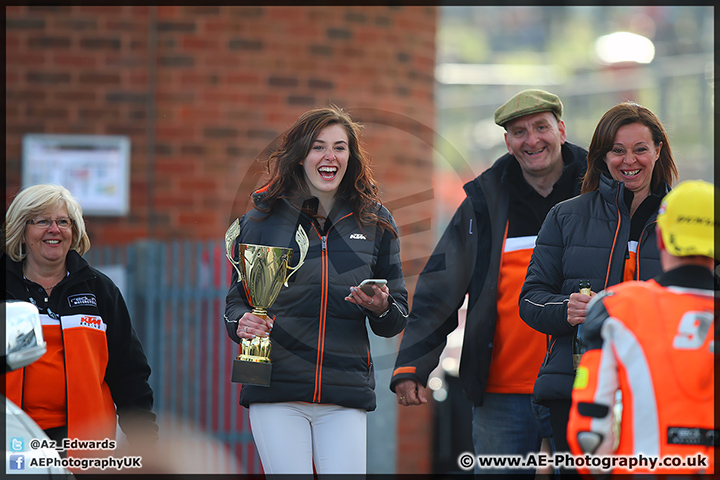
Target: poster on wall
pixel 95 168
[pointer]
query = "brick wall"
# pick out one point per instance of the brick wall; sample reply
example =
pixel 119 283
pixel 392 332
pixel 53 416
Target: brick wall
pixel 203 91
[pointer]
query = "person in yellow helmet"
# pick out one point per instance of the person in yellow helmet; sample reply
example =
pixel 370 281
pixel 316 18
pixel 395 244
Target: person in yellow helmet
pixel 654 342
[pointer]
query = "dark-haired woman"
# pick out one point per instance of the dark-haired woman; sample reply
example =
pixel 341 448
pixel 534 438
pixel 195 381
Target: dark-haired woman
pixel 322 384
pixel 605 235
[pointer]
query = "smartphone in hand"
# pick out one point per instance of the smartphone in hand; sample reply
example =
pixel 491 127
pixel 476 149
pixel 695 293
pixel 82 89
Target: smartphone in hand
pixel 366 285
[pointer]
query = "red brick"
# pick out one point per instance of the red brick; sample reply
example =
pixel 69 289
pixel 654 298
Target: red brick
pixel 98 114
pixel 84 96
pixel 166 11
pixel 139 11
pixel 136 79
pixel 285 14
pixel 215 25
pixel 200 44
pixel 13 41
pixel 175 132
pixel 124 61
pixel 25 59
pixel 46 112
pixel 194 78
pixel 12 112
pixel 98 78
pixel 196 221
pixel 123 25
pixel 231 97
pixel 172 202
pixel 244 78
pixel 192 113
pixel 12 78
pixel 102 10
pixel 175 166
pixel 15 10
pixel 199 185
pixel 75 61
pixel 219 61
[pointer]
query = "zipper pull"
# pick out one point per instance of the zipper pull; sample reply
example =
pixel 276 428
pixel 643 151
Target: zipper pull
pixel 324 243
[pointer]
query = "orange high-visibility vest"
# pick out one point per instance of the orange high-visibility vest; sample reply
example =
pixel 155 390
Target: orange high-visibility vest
pixel 657 349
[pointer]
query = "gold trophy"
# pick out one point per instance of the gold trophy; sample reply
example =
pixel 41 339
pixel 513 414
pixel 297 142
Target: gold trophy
pixel 263 271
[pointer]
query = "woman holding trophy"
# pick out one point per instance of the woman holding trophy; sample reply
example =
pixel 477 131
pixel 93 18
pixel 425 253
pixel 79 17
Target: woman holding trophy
pixel 322 202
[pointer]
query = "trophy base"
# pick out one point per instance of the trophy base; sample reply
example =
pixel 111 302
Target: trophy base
pixel 251 373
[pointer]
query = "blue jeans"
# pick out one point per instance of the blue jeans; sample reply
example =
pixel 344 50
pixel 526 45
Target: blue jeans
pixel 509 424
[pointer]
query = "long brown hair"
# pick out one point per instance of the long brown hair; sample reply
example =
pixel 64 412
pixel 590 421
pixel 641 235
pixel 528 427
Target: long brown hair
pixel 287 179
pixel 604 136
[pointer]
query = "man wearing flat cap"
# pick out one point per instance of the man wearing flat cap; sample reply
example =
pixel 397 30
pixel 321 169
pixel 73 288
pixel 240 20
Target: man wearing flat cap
pixel 484 254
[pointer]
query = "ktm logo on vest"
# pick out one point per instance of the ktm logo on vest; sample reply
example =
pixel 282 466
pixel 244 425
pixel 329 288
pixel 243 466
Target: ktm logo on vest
pixel 94 322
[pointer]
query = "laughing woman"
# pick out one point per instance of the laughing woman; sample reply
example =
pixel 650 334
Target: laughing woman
pixel 322 384
pixel 605 235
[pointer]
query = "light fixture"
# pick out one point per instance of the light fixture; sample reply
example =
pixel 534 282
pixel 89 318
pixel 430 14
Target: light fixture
pixel 622 47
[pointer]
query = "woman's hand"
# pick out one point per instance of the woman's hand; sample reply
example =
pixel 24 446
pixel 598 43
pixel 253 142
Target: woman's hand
pixel 377 303
pixel 577 305
pixel 251 326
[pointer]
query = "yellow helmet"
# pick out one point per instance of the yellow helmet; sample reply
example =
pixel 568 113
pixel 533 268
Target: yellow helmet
pixel 687 221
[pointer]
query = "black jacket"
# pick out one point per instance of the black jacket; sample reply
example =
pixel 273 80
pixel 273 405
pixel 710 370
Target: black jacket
pixel 466 260
pixel 582 238
pixel 320 346
pixel 87 291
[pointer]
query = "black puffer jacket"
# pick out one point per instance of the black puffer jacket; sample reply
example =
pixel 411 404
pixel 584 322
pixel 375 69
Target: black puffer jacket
pixel 582 238
pixel 320 346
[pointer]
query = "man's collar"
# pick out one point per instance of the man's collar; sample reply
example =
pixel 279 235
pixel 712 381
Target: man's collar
pixel 687 276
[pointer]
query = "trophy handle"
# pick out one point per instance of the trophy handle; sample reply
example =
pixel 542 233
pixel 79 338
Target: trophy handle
pixel 231 235
pixel 304 243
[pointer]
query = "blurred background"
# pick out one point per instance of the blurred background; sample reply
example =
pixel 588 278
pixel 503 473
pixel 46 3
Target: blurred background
pixel 155 117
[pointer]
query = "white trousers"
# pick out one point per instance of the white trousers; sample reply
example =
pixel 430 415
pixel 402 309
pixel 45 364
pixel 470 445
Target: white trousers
pixel 289 436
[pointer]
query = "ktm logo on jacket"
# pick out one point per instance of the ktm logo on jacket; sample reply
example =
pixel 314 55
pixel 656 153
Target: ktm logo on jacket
pixel 91 321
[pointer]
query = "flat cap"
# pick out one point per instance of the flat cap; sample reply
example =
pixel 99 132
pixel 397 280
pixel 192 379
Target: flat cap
pixel 528 102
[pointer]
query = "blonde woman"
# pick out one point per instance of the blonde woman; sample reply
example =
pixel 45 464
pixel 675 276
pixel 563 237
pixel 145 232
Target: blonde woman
pixel 94 369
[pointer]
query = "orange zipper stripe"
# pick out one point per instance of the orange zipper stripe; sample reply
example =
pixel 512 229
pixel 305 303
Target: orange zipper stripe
pixel 318 364
pixel 323 319
pixel 617 231
pixel 325 269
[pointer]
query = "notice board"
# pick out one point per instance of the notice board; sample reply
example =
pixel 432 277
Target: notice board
pixel 95 168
